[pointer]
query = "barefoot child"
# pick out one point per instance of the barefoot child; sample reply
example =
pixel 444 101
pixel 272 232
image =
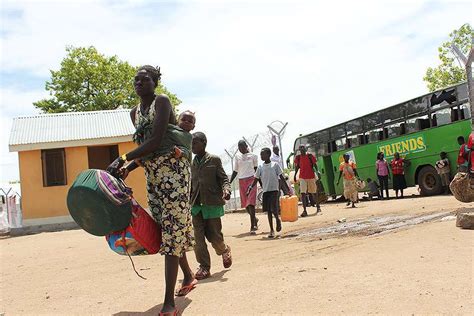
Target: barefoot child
pixel 443 168
pixel 210 186
pixel 270 173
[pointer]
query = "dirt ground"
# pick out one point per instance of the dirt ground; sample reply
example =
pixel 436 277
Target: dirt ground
pixel 409 259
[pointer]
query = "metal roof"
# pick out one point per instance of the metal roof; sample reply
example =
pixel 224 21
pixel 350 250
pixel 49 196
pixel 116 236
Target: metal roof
pixel 70 129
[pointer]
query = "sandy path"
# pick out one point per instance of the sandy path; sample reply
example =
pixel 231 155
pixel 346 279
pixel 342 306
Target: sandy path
pixel 427 268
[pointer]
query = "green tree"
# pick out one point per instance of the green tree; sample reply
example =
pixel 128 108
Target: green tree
pixel 450 72
pixel 90 81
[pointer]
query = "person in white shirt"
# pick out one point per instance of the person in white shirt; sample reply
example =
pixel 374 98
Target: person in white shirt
pixel 245 165
pixel 276 157
pixel 271 175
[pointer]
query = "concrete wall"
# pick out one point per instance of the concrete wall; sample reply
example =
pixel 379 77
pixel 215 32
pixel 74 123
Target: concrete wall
pixel 41 204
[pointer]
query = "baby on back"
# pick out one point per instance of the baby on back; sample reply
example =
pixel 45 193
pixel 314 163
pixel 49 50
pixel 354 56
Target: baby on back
pixel 187 121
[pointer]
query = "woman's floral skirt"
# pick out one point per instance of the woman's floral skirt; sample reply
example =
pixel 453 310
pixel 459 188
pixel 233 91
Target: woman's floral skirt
pixel 168 186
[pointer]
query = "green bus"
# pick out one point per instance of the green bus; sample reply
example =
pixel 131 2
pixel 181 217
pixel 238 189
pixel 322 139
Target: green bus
pixel 418 129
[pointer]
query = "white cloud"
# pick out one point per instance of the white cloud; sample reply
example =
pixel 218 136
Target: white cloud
pixel 310 63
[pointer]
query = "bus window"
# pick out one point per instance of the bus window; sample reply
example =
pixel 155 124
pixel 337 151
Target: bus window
pixel 323 136
pixel 322 149
pixel 393 130
pixel 417 106
pixel 340 144
pixel 354 127
pixel 312 150
pixel 332 147
pixel 312 139
pixel 441 117
pixel 395 113
pixel 375 135
pixel 465 111
pixel 300 141
pixel 416 124
pixel 454 114
pixel 373 120
pixel 338 132
pixel 462 92
pixel 443 98
pixel 403 128
pixel 354 140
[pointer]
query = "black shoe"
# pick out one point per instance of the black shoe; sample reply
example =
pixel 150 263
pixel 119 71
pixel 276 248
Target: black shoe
pixel 278 226
pixel 348 203
pixel 304 214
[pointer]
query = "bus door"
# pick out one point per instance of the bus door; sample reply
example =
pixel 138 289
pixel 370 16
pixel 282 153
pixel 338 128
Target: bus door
pixel 327 174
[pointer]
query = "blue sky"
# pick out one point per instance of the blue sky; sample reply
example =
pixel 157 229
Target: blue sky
pixel 238 64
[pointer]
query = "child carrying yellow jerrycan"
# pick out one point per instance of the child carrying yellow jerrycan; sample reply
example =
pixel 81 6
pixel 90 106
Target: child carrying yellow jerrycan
pixel 289 208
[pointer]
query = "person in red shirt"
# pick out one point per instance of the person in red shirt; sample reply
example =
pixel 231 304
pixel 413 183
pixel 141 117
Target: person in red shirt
pixel 470 145
pixel 398 171
pixel 463 155
pixel 305 163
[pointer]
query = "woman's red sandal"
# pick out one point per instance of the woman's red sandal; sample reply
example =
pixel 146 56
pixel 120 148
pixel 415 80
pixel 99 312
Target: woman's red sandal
pixel 185 289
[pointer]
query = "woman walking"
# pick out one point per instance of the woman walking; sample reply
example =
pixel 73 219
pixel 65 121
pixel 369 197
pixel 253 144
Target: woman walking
pixel 348 169
pixel 164 152
pixel 398 171
pixel 383 172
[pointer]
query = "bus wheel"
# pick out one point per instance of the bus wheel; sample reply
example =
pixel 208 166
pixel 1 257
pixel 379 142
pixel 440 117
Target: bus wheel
pixel 429 181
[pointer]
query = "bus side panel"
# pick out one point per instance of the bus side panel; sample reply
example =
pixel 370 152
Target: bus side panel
pixel 436 140
pixel 327 174
pixel 364 157
pixel 335 159
pixel 430 142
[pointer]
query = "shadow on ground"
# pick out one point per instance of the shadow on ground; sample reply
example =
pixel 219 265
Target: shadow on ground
pixel 181 304
pixel 215 277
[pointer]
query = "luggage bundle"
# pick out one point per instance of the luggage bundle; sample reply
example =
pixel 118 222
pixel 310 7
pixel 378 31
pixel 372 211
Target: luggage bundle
pixel 461 187
pixel 103 205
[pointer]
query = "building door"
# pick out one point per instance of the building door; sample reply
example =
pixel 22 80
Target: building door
pixel 100 157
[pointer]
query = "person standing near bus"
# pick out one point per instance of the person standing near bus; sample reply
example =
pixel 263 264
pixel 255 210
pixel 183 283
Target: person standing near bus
pixel 383 173
pixel 398 172
pixel 245 166
pixel 443 168
pixel 463 155
pixel 349 170
pixel 470 146
pixel 276 156
pixel 305 163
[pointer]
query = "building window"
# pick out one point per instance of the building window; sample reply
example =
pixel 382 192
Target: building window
pixel 54 167
pixel 100 157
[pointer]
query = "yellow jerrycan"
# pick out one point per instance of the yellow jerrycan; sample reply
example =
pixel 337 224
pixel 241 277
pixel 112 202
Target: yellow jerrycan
pixel 289 208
